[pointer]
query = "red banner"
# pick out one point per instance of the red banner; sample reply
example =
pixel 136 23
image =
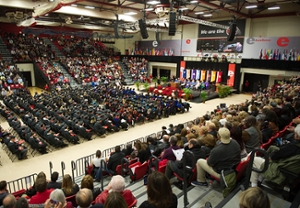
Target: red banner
pixel 219 76
pixel 231 75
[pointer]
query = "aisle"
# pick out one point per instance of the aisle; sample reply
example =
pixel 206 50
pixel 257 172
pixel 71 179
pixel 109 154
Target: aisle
pixel 11 171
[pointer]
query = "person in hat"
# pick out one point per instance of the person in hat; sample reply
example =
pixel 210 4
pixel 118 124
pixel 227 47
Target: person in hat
pixel 225 155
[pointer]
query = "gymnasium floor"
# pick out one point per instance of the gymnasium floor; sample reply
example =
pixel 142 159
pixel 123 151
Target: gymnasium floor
pixel 13 170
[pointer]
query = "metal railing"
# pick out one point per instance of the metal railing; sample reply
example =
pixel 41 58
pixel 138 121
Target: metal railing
pixel 21 183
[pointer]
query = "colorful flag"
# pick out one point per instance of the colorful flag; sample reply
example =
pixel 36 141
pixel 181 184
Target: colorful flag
pixel 198 73
pixel 219 76
pixel 188 73
pixel 208 75
pixel 290 56
pixel 271 54
pixel 203 72
pixel 213 76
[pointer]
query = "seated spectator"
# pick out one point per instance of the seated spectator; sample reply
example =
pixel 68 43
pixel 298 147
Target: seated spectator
pixel 168 153
pixel 22 203
pixel 16 148
pixel 161 146
pixel 143 151
pixel 68 186
pixel 59 197
pixel 177 166
pixel 287 155
pixel 117 184
pixel 128 150
pixel 53 184
pixel 84 199
pixel 42 192
pixel 87 182
pixel 236 134
pixel 219 159
pixel 115 199
pixel 254 197
pixel 3 191
pixel 9 201
pixel 96 164
pixel 32 191
pixel 114 160
pixel 209 143
pixel 252 137
pixel 159 192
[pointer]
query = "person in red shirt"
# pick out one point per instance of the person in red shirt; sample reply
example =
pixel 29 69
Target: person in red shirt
pixel 42 192
pixel 117 184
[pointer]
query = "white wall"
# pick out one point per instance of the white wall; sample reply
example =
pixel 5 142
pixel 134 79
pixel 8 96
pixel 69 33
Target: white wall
pixel 129 43
pixel 27 68
pixel 159 65
pixel 264 27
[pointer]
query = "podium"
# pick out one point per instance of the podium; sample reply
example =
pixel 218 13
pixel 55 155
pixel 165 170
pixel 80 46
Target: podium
pixel 175 84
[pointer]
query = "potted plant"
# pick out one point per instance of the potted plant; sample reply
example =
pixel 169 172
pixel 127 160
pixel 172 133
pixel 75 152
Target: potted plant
pixel 203 96
pixel 137 84
pixel 188 93
pixel 164 80
pixel 146 86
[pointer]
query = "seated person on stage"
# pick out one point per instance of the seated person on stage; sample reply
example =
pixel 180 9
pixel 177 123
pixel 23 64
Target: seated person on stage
pixel 287 155
pixel 117 184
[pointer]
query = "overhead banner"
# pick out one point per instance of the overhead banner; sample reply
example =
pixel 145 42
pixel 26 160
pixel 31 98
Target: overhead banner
pixel 231 75
pixel 213 76
pixel 273 48
pixel 198 72
pixel 219 76
pixel 203 72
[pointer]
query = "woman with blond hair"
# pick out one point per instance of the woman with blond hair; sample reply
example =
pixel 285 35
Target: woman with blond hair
pixel 69 188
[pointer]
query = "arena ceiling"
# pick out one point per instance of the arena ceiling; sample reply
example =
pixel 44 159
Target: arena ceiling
pixel 102 14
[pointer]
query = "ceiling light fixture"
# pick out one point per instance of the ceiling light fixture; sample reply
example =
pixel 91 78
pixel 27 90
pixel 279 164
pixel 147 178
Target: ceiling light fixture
pixel 130 13
pixel 273 8
pixel 193 1
pixel 153 2
pixel 199 13
pixel 207 15
pixel 74 5
pixel 149 9
pixel 185 8
pixel 251 6
pixel 89 7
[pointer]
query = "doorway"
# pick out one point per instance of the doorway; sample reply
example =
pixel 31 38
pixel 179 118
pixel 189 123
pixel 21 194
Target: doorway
pixel 254 79
pixel 165 73
pixel 27 78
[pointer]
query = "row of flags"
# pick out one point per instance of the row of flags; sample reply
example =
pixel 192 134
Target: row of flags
pixel 285 54
pixel 203 75
pixel 154 52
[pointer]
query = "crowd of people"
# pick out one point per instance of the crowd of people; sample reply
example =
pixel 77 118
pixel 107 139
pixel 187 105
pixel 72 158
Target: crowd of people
pixel 26 47
pixel 137 68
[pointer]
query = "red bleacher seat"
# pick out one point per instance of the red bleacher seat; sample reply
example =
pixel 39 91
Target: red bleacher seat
pixel 133 204
pixel 138 170
pixel 19 193
pixel 72 199
pixel 191 178
pixel 12 86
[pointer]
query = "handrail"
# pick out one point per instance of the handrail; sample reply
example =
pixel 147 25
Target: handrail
pixel 21 183
pixel 249 170
pixel 73 168
pixel 51 167
pixel 250 167
pixel 103 166
pixel 124 169
pixel 63 167
pixel 186 155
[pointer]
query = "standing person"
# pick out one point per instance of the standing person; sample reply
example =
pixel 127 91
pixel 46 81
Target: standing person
pixel 159 192
pixel 246 86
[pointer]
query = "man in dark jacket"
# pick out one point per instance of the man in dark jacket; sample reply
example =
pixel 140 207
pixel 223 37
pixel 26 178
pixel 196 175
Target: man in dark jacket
pixel 115 160
pixel 177 166
pixel 53 184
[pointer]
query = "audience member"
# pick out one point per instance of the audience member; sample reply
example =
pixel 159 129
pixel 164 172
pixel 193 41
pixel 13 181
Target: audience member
pixel 22 203
pixel 3 191
pixel 9 201
pixel 159 192
pixel 87 182
pixel 219 159
pixel 53 184
pixel 68 186
pixel 254 197
pixel 115 199
pixel 251 135
pixel 42 192
pixel 143 151
pixel 117 184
